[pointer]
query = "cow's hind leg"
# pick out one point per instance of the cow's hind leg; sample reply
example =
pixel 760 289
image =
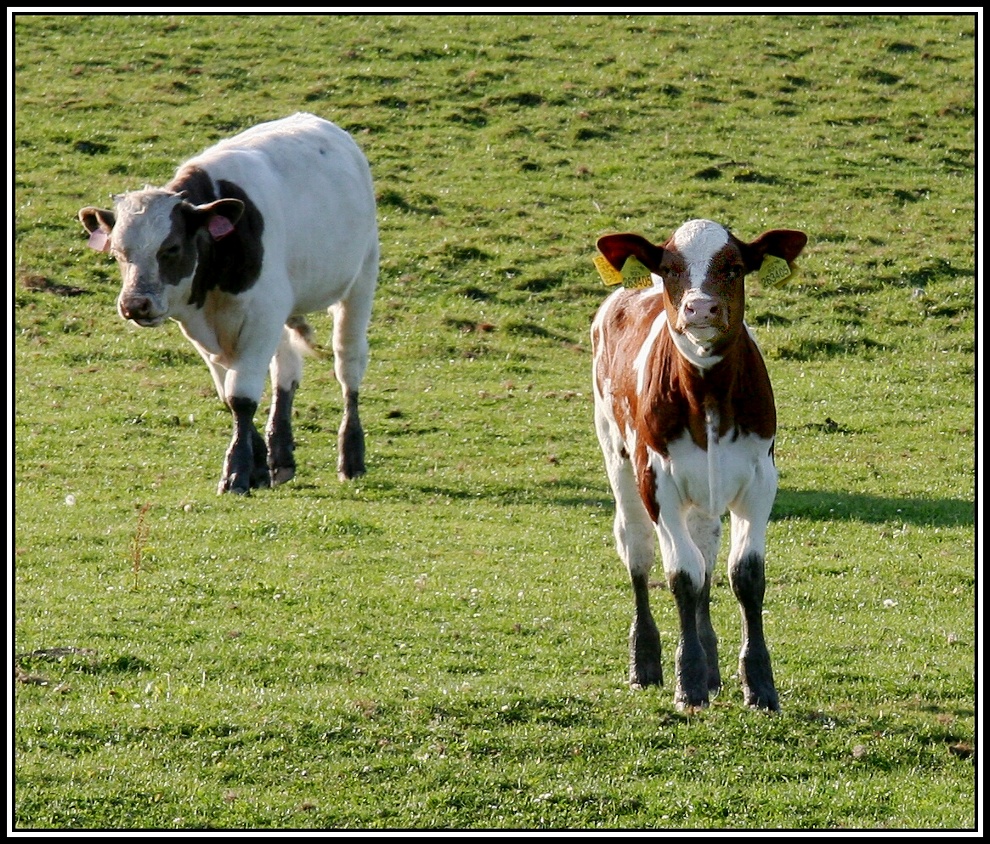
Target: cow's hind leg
pixel 350 351
pixel 286 374
pixel 635 541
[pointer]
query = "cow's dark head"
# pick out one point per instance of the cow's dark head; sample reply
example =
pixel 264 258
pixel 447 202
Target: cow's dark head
pixel 703 267
pixel 157 238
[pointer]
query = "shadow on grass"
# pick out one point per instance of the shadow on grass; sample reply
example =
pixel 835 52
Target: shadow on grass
pixel 832 506
pixel 789 504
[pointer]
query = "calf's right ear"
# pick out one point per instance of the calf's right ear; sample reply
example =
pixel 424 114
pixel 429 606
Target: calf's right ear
pixel 99 223
pixel 617 247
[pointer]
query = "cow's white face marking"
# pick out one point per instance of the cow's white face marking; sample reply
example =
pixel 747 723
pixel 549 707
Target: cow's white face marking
pixel 698 325
pixel 144 220
pixel 698 241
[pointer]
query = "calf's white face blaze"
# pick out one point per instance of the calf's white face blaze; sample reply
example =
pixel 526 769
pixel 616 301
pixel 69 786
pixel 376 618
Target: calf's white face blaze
pixel 697 241
pixel 685 416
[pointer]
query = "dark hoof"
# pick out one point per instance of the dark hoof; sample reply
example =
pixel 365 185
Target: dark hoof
pixel 684 705
pixel 641 677
pixel 282 474
pixel 350 471
pixel 766 700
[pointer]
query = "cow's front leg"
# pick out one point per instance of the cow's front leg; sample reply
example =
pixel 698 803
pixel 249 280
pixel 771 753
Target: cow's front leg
pixel 749 584
pixel 690 662
pixel 644 638
pixel 749 520
pixel 245 466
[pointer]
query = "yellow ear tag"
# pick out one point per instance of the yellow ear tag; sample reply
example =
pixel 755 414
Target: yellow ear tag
pixel 634 275
pixel 610 275
pixel 775 271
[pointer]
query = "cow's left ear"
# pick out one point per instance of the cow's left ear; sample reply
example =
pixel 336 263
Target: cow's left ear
pixel 220 217
pixel 781 243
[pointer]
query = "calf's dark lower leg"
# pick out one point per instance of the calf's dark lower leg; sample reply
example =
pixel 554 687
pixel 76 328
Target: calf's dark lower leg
pixel 245 465
pixel 281 445
pixel 350 440
pixel 644 639
pixel 706 632
pixel 749 585
pixel 691 661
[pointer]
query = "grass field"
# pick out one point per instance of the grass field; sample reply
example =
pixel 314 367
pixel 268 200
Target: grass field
pixel 442 643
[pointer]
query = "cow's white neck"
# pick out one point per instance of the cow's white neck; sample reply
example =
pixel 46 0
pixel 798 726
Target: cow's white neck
pixel 694 350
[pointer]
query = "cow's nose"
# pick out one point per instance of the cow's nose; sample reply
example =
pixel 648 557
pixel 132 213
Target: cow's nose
pixel 702 310
pixel 135 307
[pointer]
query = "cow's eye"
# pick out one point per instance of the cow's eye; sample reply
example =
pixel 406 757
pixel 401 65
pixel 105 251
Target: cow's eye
pixel 169 252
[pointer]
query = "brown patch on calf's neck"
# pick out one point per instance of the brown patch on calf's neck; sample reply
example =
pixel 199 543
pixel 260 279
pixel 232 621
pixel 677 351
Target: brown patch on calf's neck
pixel 737 389
pixel 233 263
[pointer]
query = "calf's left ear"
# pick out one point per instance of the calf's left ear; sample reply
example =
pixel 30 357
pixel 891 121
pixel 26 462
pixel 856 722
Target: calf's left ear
pixel 219 217
pixel 781 243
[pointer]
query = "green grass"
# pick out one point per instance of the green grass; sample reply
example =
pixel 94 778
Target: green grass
pixel 442 644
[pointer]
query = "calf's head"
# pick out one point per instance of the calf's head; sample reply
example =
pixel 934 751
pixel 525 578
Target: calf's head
pixel 157 238
pixel 703 266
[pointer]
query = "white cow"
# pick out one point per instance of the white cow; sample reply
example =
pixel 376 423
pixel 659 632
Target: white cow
pixel 260 229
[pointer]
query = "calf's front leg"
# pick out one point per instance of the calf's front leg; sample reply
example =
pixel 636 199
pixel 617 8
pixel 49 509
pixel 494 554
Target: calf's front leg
pixel 746 574
pixel 245 466
pixel 690 661
pixel 748 584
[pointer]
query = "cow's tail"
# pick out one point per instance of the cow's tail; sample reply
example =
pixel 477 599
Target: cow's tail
pixel 303 338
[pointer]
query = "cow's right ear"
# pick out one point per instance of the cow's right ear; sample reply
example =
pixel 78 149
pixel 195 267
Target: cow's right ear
pixel 99 223
pixel 617 247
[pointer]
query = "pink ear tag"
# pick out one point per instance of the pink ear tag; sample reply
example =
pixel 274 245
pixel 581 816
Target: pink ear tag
pixel 99 240
pixel 219 227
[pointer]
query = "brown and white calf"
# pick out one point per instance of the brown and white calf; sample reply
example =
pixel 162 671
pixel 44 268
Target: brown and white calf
pixel 260 229
pixel 685 416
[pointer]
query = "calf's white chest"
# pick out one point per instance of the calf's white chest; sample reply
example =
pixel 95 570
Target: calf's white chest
pixel 709 479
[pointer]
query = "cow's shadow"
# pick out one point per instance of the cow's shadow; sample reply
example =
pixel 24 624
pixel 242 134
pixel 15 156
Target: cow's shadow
pixel 824 505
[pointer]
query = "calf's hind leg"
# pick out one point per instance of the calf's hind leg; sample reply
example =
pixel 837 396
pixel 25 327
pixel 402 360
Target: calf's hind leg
pixel 350 352
pixel 636 543
pixel 286 374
